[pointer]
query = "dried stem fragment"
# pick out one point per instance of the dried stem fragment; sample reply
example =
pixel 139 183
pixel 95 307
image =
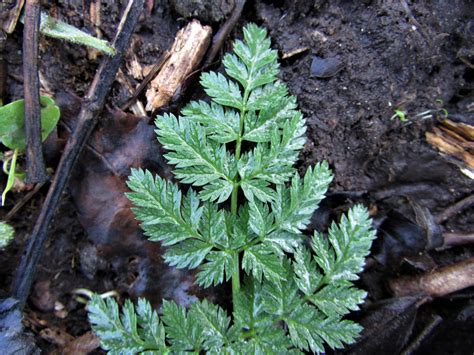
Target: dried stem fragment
pixel 439 283
pixel 35 168
pixel 223 33
pixel 9 16
pixel 92 106
pixel 455 209
pixel 455 139
pixel 187 51
pixel 456 239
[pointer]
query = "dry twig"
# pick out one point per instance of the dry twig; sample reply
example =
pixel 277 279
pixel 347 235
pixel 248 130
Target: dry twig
pixel 439 283
pixel 91 107
pixel 455 209
pixel 188 49
pixel 35 168
pixel 221 35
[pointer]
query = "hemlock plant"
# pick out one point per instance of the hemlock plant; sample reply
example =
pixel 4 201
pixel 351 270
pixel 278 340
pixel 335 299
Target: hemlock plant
pixel 290 298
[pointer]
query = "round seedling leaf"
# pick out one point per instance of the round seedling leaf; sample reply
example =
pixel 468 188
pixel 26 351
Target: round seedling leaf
pixel 12 122
pixel 6 234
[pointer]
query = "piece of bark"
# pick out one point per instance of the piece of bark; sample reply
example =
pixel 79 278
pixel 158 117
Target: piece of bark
pixel 9 14
pixel 455 139
pixel 454 209
pixel 87 118
pixel 455 239
pixel 187 51
pixel 465 130
pixel 223 33
pixel 439 283
pixel 35 167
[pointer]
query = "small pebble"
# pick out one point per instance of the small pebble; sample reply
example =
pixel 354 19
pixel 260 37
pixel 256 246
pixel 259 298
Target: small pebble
pixel 325 67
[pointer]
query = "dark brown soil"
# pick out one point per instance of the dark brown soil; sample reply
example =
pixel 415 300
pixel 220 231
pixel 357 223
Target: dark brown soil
pixel 415 58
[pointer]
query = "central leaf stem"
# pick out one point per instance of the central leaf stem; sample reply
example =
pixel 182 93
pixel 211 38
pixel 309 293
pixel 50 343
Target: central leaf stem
pixel 234 196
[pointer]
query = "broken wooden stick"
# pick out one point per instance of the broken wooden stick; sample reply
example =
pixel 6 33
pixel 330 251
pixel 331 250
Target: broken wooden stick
pixel 35 168
pixel 455 139
pixel 454 209
pixel 188 49
pixel 452 239
pixel 92 105
pixel 9 16
pixel 440 282
pixel 223 33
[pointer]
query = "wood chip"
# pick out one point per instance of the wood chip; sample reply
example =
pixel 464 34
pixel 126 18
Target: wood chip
pixel 439 283
pixel 454 139
pixel 9 14
pixel 293 52
pixel 187 51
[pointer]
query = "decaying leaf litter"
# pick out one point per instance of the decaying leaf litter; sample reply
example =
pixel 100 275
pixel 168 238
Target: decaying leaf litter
pixel 385 164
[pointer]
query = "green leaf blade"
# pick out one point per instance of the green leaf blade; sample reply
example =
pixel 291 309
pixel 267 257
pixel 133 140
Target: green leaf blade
pixel 217 269
pixel 259 261
pixel 12 122
pixel 221 90
pixel 126 332
pixel 158 206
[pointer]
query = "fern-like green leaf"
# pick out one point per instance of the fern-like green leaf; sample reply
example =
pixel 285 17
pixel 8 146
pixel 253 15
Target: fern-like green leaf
pixel 269 107
pixel 129 331
pixel 259 261
pixel 216 325
pixel 281 296
pixel 188 254
pixel 309 329
pixel 221 125
pixel 337 300
pixel 293 208
pixel 183 329
pixel 222 91
pixel 158 207
pixel 216 269
pixel 212 226
pixel 287 304
pixel 273 162
pixel 342 255
pixel 260 61
pixel 307 275
pixel 198 160
pixel 260 218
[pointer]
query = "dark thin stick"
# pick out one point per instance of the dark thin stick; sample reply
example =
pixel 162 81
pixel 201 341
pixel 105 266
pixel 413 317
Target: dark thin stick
pixel 92 105
pixel 35 168
pixel 3 67
pixel 156 68
pixel 423 335
pixel 22 202
pixel 402 190
pixel 94 151
pixel 221 35
pixel 455 209
pixel 438 283
pixel 456 239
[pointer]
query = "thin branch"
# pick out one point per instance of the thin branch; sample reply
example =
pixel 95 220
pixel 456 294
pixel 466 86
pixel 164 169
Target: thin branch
pixel 454 209
pixel 440 282
pixel 91 107
pixel 35 168
pixel 151 75
pixel 455 239
pixel 221 35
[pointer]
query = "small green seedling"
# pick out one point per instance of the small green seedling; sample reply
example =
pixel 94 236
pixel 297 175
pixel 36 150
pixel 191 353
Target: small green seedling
pixel 6 234
pixel 401 115
pixel 61 30
pixel 240 148
pixel 428 114
pixel 12 134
